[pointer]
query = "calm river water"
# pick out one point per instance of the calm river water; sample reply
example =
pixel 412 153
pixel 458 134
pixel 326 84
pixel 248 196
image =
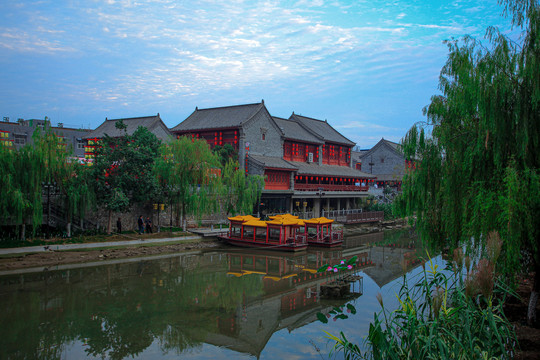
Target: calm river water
pixel 221 304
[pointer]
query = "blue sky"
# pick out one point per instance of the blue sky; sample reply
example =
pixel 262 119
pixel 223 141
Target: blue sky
pixel 368 67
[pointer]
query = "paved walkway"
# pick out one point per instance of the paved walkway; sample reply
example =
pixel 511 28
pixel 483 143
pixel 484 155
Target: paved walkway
pixel 64 247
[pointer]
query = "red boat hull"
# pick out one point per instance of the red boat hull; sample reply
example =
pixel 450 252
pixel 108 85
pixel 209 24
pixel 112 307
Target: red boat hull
pixel 326 244
pixel 261 245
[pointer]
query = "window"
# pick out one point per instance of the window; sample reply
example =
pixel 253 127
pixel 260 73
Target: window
pixel 20 139
pixel 80 144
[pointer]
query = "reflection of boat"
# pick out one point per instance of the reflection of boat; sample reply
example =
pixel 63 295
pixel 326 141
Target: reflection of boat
pixel 282 232
pixel 301 267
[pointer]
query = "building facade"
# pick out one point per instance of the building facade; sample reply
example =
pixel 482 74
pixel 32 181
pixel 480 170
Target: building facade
pixel 15 135
pixel 153 123
pixel 307 164
pixel 384 160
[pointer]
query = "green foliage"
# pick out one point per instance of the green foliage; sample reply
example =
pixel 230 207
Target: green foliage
pixel 477 169
pixel 24 172
pixel 187 171
pixel 436 319
pixel 239 193
pixel 225 153
pixel 122 173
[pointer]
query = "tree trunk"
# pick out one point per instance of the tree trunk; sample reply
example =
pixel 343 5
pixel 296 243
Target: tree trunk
pixel 23 231
pixel 109 222
pixel 533 301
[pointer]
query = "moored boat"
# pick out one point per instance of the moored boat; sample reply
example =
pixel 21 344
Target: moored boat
pixel 282 232
pixel 276 234
pixel 319 232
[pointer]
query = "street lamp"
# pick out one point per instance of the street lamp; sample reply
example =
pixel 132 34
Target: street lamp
pixel 321 194
pixel 49 186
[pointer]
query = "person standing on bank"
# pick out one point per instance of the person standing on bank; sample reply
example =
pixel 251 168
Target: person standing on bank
pixel 119 226
pixel 148 225
pixel 140 222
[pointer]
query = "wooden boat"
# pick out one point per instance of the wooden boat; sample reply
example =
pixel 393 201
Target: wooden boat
pixel 319 233
pixel 282 232
pixel 276 234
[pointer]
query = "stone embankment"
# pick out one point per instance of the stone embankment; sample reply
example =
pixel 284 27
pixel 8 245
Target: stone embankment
pixel 360 229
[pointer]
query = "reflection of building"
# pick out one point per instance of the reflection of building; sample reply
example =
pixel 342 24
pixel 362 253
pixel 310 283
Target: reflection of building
pixel 290 298
pixel 306 162
pixel 185 300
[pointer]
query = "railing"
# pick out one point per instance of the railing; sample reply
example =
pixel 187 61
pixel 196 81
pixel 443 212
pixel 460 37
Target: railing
pixel 327 187
pixel 301 239
pixel 368 216
pixel 334 214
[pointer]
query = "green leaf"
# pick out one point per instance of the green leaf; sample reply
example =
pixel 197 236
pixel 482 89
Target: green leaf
pixel 322 318
pixel 352 261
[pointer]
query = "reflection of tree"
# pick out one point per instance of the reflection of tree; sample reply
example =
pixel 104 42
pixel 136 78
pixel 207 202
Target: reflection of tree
pixel 118 311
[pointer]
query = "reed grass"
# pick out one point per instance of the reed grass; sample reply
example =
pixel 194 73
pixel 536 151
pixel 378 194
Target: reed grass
pixel 448 314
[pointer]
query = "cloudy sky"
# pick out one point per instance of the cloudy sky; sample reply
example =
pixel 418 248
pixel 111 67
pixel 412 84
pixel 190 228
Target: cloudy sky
pixel 368 67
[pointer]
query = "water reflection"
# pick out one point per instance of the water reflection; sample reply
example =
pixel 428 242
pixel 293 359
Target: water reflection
pixel 233 298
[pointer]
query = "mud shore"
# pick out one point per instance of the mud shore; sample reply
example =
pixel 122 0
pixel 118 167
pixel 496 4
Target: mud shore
pixel 50 259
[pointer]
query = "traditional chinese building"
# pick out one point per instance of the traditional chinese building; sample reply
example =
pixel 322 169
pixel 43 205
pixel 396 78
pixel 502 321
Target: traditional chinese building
pixel 154 124
pixel 384 160
pixel 306 162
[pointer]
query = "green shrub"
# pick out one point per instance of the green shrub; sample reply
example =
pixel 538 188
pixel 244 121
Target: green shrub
pixel 441 317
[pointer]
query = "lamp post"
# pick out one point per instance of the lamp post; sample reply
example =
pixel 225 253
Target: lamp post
pixel 48 185
pixel 321 194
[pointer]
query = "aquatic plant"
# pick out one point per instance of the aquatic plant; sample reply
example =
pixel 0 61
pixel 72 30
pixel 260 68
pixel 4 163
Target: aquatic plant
pixel 438 319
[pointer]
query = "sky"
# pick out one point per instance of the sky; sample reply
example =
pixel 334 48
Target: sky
pixel 367 67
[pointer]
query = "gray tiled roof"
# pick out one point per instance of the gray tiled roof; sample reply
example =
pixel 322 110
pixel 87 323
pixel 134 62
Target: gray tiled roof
pixel 358 155
pixel 154 124
pixel 389 177
pixel 394 146
pixel 219 117
pixel 272 162
pixel 330 170
pixel 294 131
pixel 322 129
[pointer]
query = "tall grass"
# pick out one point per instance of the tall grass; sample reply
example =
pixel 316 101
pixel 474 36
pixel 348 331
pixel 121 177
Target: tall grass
pixel 455 313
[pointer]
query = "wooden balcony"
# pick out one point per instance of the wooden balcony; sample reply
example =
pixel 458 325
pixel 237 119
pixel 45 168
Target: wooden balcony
pixel 328 187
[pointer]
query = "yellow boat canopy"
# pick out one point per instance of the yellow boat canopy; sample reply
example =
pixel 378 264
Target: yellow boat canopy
pixel 319 221
pixel 255 223
pixel 283 216
pixel 243 218
pixel 286 221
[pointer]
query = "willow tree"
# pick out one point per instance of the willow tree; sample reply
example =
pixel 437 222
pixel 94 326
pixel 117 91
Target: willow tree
pixel 239 193
pixel 188 173
pixel 478 170
pixel 23 175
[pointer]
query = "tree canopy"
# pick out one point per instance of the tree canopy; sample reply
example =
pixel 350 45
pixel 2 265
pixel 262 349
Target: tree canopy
pixel 123 170
pixel 188 173
pixel 477 157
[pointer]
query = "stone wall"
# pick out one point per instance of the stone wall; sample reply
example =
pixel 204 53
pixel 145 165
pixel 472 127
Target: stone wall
pixel 385 160
pixel 253 132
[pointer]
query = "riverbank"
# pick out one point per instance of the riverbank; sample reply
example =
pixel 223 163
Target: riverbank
pixel 118 247
pixel 516 312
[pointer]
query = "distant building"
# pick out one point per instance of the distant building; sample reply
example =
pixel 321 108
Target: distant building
pixel 306 162
pixel 385 160
pixel 17 134
pixel 154 124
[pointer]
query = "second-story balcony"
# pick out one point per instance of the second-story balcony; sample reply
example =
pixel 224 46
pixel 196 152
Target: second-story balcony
pixel 329 187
